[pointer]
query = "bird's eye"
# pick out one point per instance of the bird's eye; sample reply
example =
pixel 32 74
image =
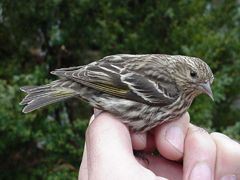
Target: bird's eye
pixel 193 74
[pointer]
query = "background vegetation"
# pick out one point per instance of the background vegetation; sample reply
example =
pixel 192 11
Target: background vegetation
pixel 39 36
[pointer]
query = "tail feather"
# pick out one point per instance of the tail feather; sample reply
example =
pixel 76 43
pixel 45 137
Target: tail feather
pixel 29 89
pixel 39 96
pixel 34 95
pixel 64 71
pixel 69 68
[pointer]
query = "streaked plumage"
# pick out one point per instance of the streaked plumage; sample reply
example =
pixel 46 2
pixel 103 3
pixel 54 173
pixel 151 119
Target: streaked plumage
pixel 144 90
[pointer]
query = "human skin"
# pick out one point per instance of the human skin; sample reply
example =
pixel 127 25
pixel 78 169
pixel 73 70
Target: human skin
pixel 186 152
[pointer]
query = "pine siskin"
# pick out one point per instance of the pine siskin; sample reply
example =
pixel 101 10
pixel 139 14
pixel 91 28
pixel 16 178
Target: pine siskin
pixel 143 90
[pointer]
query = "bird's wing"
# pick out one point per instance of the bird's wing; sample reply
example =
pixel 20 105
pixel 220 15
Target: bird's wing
pixel 118 75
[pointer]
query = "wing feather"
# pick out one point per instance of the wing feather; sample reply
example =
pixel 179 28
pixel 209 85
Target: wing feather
pixel 118 76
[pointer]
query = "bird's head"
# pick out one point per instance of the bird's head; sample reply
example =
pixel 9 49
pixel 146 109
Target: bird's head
pixel 193 76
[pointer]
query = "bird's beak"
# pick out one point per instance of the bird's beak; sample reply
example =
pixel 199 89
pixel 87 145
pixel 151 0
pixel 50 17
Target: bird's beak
pixel 206 88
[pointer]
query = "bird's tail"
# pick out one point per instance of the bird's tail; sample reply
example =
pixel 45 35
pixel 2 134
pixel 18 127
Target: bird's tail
pixel 39 96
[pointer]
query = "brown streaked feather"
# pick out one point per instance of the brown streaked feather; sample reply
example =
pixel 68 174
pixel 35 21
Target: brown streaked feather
pixel 142 90
pixel 124 77
pixel 147 89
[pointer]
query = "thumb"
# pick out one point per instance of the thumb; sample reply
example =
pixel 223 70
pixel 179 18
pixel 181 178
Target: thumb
pixel 108 144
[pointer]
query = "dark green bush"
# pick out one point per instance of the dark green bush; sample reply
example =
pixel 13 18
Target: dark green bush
pixel 37 37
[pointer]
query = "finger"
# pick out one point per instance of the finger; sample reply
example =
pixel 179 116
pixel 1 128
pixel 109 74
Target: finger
pixel 169 137
pixel 199 155
pixel 143 141
pixel 109 145
pixel 83 171
pixel 139 140
pixel 150 143
pixel 164 168
pixel 228 157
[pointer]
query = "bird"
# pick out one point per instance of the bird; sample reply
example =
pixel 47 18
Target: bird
pixel 143 90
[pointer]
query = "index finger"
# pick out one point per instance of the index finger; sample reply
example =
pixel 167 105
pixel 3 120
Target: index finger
pixel 170 137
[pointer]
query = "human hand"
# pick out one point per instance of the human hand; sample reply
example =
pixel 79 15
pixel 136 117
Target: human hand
pixel 186 152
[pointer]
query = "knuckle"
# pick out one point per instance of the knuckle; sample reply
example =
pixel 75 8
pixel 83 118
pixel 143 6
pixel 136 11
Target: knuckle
pixel 198 130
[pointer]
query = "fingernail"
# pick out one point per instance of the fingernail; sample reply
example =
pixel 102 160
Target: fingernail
pixel 175 136
pixel 91 119
pixel 96 112
pixel 229 177
pixel 201 171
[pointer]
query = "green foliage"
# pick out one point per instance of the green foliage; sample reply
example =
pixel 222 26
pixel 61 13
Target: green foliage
pixel 38 37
